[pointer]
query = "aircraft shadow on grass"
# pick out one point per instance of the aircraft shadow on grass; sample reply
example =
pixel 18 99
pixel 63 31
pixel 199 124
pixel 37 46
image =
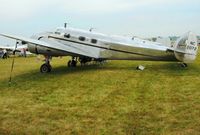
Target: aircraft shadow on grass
pixel 164 69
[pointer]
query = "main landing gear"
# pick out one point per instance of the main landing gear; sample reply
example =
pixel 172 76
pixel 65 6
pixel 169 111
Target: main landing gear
pixel 46 67
pixel 72 63
pixel 82 61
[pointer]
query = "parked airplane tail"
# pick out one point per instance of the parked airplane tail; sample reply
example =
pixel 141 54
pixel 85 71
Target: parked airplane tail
pixel 186 48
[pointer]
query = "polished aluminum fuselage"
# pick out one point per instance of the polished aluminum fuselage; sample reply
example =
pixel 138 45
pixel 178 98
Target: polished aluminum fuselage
pixel 106 47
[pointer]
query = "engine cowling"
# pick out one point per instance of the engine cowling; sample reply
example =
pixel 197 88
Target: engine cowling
pixel 36 49
pixel 45 50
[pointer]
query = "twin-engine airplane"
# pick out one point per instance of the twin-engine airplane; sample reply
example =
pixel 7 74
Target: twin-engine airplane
pixel 87 46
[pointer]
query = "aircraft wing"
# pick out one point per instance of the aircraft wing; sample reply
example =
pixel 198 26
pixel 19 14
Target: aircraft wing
pixel 12 48
pixel 26 40
pixel 54 45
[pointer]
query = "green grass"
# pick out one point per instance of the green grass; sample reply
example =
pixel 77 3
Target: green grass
pixel 113 98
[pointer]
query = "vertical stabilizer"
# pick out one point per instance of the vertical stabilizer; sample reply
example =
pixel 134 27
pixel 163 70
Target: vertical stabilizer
pixel 186 48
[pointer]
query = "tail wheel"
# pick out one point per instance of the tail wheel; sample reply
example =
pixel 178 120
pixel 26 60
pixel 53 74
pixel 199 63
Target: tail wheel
pixel 45 68
pixel 184 65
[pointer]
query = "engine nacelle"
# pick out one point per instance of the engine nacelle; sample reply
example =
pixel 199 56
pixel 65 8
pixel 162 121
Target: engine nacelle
pixel 186 48
pixel 36 49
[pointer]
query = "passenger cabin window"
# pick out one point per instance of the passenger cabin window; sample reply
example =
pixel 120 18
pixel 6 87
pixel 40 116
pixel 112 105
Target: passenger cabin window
pixel 58 33
pixel 82 38
pixel 67 35
pixel 94 41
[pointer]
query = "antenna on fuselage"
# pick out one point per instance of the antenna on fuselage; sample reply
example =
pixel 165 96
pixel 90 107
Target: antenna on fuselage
pixel 65 25
pixel 91 29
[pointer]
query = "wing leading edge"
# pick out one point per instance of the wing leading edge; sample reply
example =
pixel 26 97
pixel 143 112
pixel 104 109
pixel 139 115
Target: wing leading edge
pixel 53 45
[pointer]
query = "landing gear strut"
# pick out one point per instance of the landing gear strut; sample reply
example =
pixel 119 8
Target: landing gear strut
pixel 84 60
pixel 72 63
pixel 46 67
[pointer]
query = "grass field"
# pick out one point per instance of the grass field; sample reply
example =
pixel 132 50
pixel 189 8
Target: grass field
pixel 113 98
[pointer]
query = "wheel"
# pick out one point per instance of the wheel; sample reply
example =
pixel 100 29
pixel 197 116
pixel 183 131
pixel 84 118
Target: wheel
pixel 69 63
pixel 50 68
pixel 73 63
pixel 45 68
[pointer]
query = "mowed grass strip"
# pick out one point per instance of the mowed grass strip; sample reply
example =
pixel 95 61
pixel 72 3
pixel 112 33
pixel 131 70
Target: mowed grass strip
pixel 112 98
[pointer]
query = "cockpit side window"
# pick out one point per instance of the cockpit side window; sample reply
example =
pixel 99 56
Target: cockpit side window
pixel 58 33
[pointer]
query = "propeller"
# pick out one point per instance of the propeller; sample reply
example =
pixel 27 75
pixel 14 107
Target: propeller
pixel 13 62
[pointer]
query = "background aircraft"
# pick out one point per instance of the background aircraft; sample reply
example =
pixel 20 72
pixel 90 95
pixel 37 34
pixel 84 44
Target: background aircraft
pixel 5 51
pixel 85 46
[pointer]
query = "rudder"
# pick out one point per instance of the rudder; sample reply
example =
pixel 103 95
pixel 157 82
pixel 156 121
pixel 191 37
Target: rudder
pixel 186 48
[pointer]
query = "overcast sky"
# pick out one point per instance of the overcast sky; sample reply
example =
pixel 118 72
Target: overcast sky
pixel 144 18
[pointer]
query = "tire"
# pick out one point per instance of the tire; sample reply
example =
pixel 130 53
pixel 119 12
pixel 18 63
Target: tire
pixel 69 64
pixel 73 63
pixel 45 68
pixel 50 68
